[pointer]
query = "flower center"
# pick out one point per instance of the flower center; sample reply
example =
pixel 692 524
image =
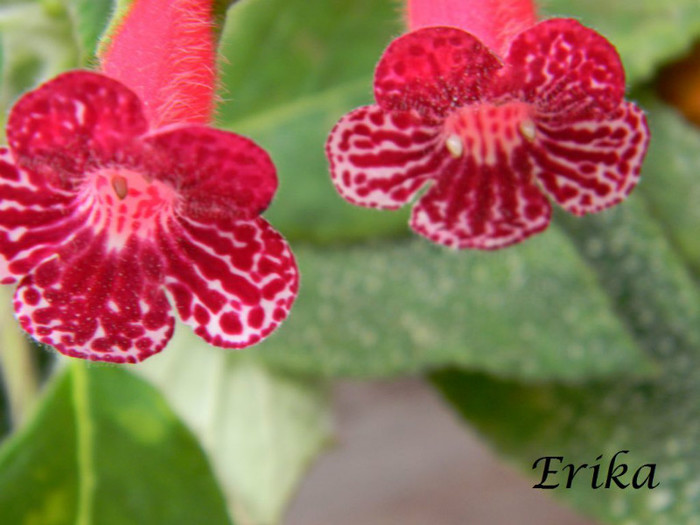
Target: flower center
pixel 484 131
pixel 125 203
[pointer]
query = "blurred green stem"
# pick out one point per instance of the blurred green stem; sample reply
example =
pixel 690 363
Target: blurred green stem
pixel 17 365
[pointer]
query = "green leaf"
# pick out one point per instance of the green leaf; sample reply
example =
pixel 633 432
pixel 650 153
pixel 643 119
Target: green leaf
pixel 275 52
pixel 261 427
pixel 289 71
pixel 670 182
pixel 647 33
pixel 306 206
pixel 5 422
pixel 19 373
pixel 37 43
pixel 378 310
pixel 90 18
pixel 656 419
pixel 105 448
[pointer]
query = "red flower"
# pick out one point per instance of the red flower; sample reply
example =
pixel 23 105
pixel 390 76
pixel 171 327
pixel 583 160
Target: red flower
pixel 100 216
pixel 492 137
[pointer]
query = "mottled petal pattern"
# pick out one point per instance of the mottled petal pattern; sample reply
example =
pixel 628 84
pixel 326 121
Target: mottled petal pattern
pixel 233 281
pixel 484 205
pixel 491 139
pixel 96 304
pixel 108 225
pixel 381 159
pixel 71 124
pixel 214 172
pixel 433 70
pixel 34 219
pixel 590 165
pixel 563 69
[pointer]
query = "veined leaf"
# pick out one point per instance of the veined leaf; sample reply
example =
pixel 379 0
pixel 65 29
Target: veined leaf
pixel 307 207
pixel 670 184
pixel 383 309
pixel 655 419
pixel 90 19
pixel 275 52
pixel 261 427
pixel 105 448
pixel 645 32
pixel 37 44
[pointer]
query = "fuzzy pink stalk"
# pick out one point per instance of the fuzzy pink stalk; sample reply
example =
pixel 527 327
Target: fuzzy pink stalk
pixel 164 51
pixel 494 22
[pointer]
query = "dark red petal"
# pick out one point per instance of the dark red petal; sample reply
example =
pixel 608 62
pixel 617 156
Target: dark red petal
pixel 35 218
pixel 233 281
pixel 381 159
pixel 71 123
pixel 562 67
pixel 433 70
pixel 590 165
pixel 482 205
pixel 216 173
pixel 97 304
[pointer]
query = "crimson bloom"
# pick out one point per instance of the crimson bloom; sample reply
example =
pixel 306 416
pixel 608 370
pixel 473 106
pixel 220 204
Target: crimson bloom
pixel 492 124
pixel 106 218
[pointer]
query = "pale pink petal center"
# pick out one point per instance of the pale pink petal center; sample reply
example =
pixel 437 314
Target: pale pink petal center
pixel 124 202
pixel 484 196
pixel 486 131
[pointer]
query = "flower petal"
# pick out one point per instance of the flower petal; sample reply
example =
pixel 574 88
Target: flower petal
pixel 71 123
pixel 233 281
pixel 34 219
pixel 381 159
pixel 433 70
pixel 485 206
pixel 214 172
pixel 590 165
pixel 96 304
pixel 562 67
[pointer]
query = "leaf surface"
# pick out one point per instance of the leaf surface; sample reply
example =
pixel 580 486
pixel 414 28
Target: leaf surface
pixel 647 33
pixel 656 295
pixel 104 448
pixel 261 427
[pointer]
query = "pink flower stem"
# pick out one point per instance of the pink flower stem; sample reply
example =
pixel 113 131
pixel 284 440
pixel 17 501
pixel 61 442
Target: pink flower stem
pixel 165 51
pixel 494 22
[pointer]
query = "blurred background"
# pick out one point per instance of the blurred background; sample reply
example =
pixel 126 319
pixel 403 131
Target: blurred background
pixel 411 384
pixel 401 457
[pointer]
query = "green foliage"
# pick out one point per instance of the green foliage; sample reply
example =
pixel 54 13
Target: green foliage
pixel 655 418
pixel 289 71
pixel 646 32
pixel 275 52
pixel 671 184
pixel 391 308
pixel 104 448
pixel 260 427
pixel 306 206
pixel 4 414
pixel 89 19
pixel 37 43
